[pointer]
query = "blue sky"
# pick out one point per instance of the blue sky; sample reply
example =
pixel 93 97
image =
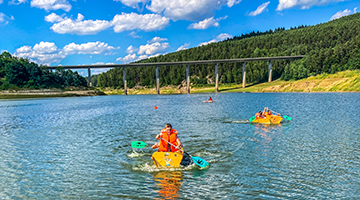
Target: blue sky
pixel 79 32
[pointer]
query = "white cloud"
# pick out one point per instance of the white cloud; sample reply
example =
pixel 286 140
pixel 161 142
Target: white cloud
pixel 100 70
pixel 260 9
pixel 142 57
pixel 133 34
pixel 5 19
pixel 1 1
pixel 223 36
pixel 157 39
pixel 15 2
pixel 123 22
pixel 88 48
pixel 24 50
pixel 218 38
pixel 51 4
pixel 302 4
pixel 182 47
pixel 192 10
pixel 133 3
pixel 78 26
pixel 48 52
pixel 156 55
pixel 132 58
pixel 131 49
pixel 45 48
pixel 128 58
pixel 44 53
pixel 207 23
pixel 153 48
pixel 2 17
pixel 133 21
pixel 230 3
pixel 53 18
pixel 339 14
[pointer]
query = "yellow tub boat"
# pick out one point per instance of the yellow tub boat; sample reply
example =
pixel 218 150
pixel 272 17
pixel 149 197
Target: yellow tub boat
pixel 268 120
pixel 170 159
pixel 167 159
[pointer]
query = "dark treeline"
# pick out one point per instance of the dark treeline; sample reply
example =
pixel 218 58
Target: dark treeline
pixel 253 33
pixel 21 73
pixel 329 47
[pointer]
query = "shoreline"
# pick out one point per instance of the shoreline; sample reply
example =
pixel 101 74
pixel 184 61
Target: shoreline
pixel 342 82
pixel 45 93
pixel 346 81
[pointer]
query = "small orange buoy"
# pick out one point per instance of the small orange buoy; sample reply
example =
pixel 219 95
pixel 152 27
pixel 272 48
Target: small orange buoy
pixel 155 107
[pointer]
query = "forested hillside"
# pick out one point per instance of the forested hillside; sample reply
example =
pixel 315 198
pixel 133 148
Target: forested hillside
pixel 21 73
pixel 329 47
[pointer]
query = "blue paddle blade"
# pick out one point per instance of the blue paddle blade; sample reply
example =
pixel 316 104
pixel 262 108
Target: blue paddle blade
pixel 252 118
pixel 138 144
pixel 287 117
pixel 200 162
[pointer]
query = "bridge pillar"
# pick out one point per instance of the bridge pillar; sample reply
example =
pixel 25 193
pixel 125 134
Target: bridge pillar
pixel 125 87
pixel 270 71
pixel 217 77
pixel 244 75
pixel 89 77
pixel 187 79
pixel 157 81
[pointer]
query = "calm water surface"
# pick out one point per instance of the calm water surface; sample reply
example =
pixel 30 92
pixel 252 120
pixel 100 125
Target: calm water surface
pixel 79 148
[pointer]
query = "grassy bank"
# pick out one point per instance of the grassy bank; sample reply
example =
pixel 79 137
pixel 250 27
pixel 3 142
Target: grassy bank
pixel 73 92
pixel 346 81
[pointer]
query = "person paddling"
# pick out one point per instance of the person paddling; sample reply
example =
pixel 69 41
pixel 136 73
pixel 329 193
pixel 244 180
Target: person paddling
pixel 263 114
pixel 258 115
pixel 166 136
pixel 210 99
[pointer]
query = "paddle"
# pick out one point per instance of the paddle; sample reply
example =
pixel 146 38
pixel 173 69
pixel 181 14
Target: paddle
pixel 197 160
pixel 285 116
pixel 138 144
pixel 252 118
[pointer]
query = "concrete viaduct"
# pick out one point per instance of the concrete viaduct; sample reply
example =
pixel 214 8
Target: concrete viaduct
pixel 187 63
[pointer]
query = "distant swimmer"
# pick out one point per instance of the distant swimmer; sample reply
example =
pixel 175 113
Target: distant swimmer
pixel 209 101
pixel 155 107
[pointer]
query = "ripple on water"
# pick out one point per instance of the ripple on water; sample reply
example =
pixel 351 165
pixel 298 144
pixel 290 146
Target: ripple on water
pixel 80 148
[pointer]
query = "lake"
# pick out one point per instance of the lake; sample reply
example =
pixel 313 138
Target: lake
pixel 79 147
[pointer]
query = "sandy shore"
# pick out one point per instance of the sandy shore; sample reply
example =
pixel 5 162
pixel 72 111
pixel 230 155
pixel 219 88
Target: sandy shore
pixel 11 94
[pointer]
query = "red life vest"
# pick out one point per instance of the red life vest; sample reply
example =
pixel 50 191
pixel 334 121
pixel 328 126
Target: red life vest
pixel 164 146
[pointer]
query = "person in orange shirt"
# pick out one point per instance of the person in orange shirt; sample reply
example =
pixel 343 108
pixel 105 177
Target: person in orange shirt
pixel 269 112
pixel 169 135
pixel 258 115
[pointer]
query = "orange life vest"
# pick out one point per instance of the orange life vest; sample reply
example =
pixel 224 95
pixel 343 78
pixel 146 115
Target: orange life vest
pixel 164 146
pixel 265 114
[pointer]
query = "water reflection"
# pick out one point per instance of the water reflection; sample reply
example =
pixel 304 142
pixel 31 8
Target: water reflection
pixel 169 183
pixel 264 131
pixel 267 132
